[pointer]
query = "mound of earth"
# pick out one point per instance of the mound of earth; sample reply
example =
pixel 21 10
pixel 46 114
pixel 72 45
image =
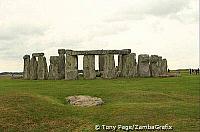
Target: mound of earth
pixel 81 100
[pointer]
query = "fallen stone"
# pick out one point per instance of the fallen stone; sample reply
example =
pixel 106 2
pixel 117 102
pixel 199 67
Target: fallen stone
pixel 82 100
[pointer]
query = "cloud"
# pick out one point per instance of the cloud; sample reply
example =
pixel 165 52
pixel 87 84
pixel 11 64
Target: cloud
pixel 14 31
pixel 139 10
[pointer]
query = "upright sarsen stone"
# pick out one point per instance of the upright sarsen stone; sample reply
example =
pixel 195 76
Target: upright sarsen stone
pixel 89 67
pixel 129 65
pixel 26 73
pixel 54 68
pixel 61 53
pixel 42 70
pixel 71 67
pixel 160 64
pixel 33 68
pixel 154 66
pixel 143 65
pixel 120 65
pixel 101 62
pixel 109 70
pixel 164 67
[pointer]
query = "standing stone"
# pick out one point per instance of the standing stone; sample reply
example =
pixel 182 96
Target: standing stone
pixel 120 65
pixel 154 66
pixel 42 70
pixel 71 67
pixel 33 68
pixel 54 68
pixel 61 53
pixel 143 65
pixel 129 65
pixel 101 62
pixel 160 64
pixel 26 73
pixel 164 67
pixel 89 67
pixel 109 70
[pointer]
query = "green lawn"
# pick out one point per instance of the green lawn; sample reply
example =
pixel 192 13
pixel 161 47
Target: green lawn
pixel 27 105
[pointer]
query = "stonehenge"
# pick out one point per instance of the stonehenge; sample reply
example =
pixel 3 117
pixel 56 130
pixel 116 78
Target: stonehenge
pixel 65 65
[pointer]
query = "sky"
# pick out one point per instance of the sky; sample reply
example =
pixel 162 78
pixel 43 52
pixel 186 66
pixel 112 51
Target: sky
pixel 169 28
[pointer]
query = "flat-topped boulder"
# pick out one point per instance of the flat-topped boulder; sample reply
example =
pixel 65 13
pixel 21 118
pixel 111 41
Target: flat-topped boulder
pixel 37 54
pixel 98 52
pixel 82 100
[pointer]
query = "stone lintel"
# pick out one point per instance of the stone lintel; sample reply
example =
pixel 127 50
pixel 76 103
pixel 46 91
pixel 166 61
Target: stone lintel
pixel 98 52
pixel 37 54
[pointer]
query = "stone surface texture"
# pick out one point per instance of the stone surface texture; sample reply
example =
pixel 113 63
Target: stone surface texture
pixel 164 67
pixel 129 65
pixel 109 70
pixel 61 53
pixel 98 52
pixel 26 72
pixel 54 68
pixel 89 67
pixel 82 100
pixel 33 68
pixel 143 65
pixel 154 66
pixel 101 62
pixel 42 70
pixel 71 67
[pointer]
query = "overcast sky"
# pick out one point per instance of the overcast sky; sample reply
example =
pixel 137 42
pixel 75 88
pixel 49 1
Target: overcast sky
pixel 164 27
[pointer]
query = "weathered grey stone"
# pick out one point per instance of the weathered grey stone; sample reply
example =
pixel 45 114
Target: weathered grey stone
pixel 26 73
pixel 37 54
pixel 69 52
pixel 164 67
pixel 154 66
pixel 120 66
pixel 160 64
pixel 71 67
pixel 54 68
pixel 81 100
pixel 61 53
pixel 33 68
pixel 109 70
pixel 42 70
pixel 143 65
pixel 129 65
pixel 89 67
pixel 101 62
pixel 98 52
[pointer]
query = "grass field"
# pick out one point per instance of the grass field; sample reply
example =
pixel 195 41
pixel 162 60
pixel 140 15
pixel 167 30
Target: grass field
pixel 27 105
